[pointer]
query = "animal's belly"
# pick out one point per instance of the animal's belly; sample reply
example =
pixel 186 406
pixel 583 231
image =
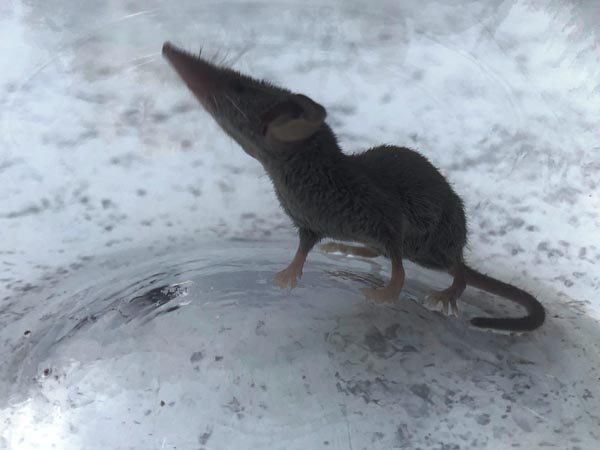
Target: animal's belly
pixel 330 224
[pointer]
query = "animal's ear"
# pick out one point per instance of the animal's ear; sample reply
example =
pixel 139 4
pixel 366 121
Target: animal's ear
pixel 293 119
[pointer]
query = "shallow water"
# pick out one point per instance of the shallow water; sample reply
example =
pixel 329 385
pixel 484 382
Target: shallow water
pixel 194 348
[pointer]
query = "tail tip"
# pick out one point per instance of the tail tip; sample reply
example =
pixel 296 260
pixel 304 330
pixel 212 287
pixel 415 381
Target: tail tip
pixel 530 323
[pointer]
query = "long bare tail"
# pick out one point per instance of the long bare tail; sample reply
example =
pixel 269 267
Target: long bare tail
pixel 536 313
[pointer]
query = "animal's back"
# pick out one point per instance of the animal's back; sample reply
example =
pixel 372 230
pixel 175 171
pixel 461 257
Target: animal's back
pixel 435 213
pixel 404 170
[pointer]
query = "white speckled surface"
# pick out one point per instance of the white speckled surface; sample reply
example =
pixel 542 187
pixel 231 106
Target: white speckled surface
pixel 136 309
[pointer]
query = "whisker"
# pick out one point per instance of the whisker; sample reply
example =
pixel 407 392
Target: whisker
pixel 239 54
pixel 236 107
pixel 214 57
pixel 216 103
pixel 223 59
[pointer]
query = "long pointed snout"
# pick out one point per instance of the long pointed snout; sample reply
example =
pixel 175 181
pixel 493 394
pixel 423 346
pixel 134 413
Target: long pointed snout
pixel 200 76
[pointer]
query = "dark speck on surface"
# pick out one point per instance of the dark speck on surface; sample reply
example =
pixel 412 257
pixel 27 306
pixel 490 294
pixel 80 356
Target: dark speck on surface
pixel 181 108
pixel 204 437
pixel 375 341
pixel 260 328
pixel 421 390
pixel 159 117
pixel 402 437
pixel 196 356
pixel 377 436
pixel 29 210
pixel 417 75
pixel 235 407
pixel 195 191
pixel 346 110
pixel 483 419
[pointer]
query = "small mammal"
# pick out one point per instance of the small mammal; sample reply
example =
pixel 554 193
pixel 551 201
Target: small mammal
pixel 391 199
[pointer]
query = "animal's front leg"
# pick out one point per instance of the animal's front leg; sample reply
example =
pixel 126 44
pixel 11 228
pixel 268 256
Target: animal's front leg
pixel 290 275
pixel 392 291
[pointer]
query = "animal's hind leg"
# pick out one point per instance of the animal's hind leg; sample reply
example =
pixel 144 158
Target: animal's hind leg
pixel 448 296
pixel 365 252
pixel 392 290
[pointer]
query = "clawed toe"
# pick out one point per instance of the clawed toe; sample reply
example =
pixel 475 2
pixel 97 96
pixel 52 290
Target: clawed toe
pixel 443 302
pixel 286 278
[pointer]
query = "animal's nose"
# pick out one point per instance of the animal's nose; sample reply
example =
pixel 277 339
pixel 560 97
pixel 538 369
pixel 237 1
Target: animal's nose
pixel 167 47
pixel 200 76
